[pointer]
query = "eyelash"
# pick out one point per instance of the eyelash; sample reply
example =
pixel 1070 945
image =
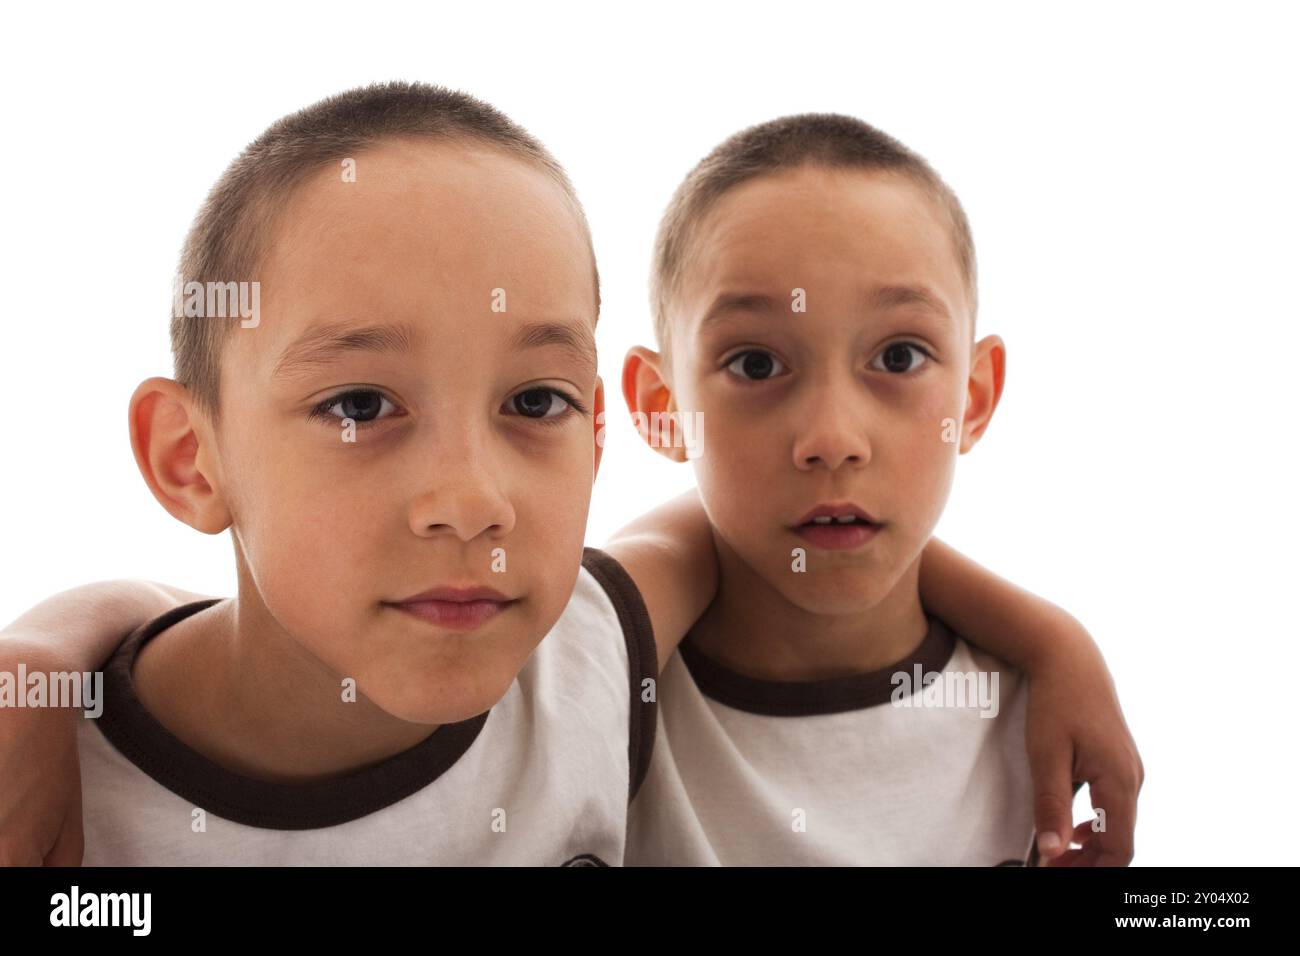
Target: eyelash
pixel 575 405
pixel 730 360
pixel 915 345
pixel 321 411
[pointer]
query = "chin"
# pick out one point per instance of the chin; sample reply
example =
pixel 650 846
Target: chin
pixel 441 695
pixel 426 705
pixel 838 592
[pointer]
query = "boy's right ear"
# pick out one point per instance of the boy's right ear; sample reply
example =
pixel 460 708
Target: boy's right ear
pixel 173 449
pixel 647 394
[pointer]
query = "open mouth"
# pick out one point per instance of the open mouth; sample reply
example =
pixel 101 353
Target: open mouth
pixel 837 528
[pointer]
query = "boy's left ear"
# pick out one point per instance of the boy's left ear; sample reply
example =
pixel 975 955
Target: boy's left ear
pixel 646 391
pixel 988 370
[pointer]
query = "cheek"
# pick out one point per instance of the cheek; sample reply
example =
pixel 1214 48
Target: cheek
pixel 313 538
pixel 733 444
pixel 321 536
pixel 550 490
pixel 553 474
pixel 743 456
pixel 925 462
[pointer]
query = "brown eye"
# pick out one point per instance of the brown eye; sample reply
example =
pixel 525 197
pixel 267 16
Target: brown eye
pixel 540 403
pixel 898 358
pixel 534 403
pixel 755 365
pixel 360 405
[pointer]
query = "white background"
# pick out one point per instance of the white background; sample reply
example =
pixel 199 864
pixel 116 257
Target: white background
pixel 1130 174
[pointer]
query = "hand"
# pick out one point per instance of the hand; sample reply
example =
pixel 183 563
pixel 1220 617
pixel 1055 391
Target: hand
pixel 40 776
pixel 1076 733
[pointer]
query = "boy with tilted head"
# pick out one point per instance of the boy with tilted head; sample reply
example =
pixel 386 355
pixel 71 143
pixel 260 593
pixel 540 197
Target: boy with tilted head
pixel 403 447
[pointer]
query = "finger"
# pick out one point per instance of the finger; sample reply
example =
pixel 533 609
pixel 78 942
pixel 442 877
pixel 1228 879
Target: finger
pixel 1080 839
pixel 1088 856
pixel 1118 798
pixel 1050 766
pixel 1088 853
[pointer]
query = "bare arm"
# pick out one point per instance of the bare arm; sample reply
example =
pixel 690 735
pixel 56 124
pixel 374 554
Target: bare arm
pixel 669 553
pixel 83 626
pixel 40 780
pixel 1005 620
pixel 1076 730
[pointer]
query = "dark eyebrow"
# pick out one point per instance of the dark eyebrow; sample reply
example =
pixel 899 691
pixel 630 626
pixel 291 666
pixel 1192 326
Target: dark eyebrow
pixel 729 302
pixel 576 340
pixel 319 346
pixel 885 297
pixel 891 296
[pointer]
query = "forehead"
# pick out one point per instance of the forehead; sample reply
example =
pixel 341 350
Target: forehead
pixel 425 235
pixel 832 232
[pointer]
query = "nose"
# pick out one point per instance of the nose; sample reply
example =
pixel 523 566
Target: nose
pixel 832 431
pixel 462 491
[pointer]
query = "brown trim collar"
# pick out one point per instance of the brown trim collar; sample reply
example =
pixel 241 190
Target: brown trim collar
pixel 642 658
pixel 257 803
pixel 808 698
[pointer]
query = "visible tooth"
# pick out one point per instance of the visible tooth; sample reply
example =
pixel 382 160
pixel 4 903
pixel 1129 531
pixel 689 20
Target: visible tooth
pixel 846 519
pixel 822 519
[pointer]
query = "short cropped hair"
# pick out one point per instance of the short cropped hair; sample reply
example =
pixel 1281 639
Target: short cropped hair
pixel 829 140
pixel 227 240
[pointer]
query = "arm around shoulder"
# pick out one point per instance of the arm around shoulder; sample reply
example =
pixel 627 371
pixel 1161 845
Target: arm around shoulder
pixel 670 554
pixel 80 628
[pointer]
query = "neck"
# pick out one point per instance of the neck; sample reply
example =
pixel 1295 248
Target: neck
pixel 232 684
pixel 753 629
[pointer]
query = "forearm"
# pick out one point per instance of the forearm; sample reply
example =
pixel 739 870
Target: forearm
pixel 1075 730
pixel 995 615
pixel 40 786
pixel 79 629
pixel 670 554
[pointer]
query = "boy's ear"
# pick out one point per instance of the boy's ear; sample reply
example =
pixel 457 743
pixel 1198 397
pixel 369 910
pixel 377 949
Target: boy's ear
pixel 988 370
pixel 174 449
pixel 647 393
